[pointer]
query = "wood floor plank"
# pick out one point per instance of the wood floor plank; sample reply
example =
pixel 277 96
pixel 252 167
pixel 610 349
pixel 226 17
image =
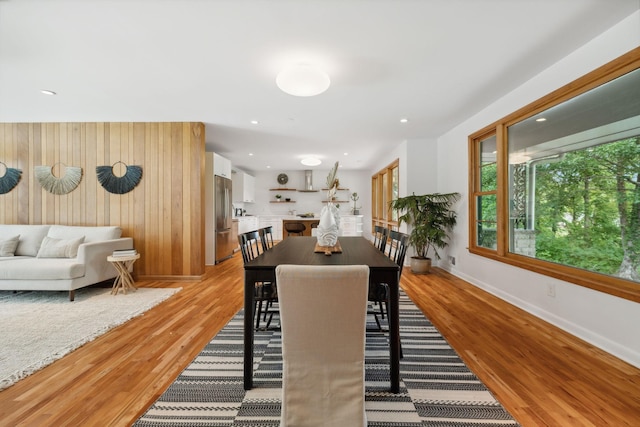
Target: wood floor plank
pixel 542 375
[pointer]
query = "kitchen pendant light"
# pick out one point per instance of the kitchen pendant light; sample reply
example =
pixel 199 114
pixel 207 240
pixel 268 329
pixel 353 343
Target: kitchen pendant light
pixel 303 80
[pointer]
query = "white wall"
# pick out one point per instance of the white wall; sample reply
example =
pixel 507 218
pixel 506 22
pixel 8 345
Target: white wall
pixel 606 321
pixel 422 166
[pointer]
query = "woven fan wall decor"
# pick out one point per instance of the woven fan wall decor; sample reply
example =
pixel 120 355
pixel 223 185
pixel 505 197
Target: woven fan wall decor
pixel 119 184
pixel 10 179
pixel 66 184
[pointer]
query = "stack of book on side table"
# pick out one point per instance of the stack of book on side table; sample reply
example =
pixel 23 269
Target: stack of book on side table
pixel 124 253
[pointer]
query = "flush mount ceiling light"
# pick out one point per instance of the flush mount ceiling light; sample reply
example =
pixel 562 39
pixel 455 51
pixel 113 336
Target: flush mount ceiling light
pixel 303 80
pixel 311 161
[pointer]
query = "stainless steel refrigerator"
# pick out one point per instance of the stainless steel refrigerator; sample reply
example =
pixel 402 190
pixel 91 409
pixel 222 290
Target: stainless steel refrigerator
pixel 224 243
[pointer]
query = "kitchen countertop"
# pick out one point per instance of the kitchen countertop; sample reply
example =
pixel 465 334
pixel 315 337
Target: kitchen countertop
pixel 300 218
pixel 286 217
pixel 275 216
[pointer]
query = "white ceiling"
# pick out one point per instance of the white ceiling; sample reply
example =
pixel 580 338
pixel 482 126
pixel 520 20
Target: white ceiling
pixel 435 62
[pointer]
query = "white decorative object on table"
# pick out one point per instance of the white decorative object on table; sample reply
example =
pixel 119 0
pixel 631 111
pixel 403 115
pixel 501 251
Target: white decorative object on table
pixel 329 225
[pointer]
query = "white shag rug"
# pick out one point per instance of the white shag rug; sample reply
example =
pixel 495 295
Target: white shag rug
pixel 37 328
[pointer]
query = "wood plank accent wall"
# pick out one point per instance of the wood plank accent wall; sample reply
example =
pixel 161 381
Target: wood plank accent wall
pixel 163 213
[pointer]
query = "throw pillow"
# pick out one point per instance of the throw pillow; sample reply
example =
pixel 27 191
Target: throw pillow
pixel 8 246
pixel 59 248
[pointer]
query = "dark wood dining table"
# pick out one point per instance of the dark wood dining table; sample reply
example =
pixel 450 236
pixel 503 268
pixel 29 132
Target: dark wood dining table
pixel 300 251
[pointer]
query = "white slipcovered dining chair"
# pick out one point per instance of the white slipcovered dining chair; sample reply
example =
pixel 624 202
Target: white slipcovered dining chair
pixel 323 313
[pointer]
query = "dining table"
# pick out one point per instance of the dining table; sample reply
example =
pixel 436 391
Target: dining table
pixel 302 250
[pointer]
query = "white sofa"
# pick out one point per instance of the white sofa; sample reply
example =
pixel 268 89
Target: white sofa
pixel 57 257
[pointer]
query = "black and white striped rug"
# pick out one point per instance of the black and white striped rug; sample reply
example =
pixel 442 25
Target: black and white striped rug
pixel 436 388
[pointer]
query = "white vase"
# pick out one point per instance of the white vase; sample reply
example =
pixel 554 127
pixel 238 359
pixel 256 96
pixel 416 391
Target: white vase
pixel 329 226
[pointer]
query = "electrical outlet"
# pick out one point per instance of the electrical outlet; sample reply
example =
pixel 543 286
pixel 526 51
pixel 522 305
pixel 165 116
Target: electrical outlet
pixel 452 260
pixel 551 290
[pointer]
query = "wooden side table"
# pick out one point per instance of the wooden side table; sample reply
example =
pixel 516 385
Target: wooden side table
pixel 123 281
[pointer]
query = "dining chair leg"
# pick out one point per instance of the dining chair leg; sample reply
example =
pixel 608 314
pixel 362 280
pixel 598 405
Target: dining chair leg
pixel 258 313
pixel 270 319
pixel 266 310
pixel 375 316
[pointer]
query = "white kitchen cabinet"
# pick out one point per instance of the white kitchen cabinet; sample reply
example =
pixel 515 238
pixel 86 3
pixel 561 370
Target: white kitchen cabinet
pixel 244 187
pixel 221 166
pixel 247 223
pixel 275 223
pixel 351 225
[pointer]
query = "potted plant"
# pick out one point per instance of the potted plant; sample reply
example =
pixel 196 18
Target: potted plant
pixel 431 220
pixel 278 197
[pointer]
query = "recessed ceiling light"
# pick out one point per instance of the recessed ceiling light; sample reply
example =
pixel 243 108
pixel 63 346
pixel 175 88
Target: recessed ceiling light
pixel 311 161
pixel 268 167
pixel 251 154
pixel 254 122
pixel 48 92
pixel 404 120
pixel 541 119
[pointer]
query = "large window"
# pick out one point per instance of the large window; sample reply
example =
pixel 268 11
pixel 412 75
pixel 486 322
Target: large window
pixel 555 187
pixel 384 189
pixel 486 195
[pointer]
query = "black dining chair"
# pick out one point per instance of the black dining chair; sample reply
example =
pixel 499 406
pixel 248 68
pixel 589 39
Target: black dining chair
pixel 379 293
pixel 265 293
pixel 397 247
pixel 266 237
pixel 294 228
pixel 380 235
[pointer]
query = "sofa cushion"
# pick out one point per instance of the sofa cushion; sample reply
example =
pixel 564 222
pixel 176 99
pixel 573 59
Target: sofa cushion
pixel 8 246
pixel 30 237
pixel 29 268
pixel 59 248
pixel 90 234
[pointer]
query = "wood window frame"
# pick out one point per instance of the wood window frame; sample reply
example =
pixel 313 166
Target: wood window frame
pixel 382 195
pixel 600 282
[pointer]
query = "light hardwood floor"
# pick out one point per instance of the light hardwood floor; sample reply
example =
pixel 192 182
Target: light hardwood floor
pixel 542 375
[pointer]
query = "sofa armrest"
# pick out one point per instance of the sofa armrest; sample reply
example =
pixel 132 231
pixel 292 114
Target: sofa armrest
pixel 94 256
